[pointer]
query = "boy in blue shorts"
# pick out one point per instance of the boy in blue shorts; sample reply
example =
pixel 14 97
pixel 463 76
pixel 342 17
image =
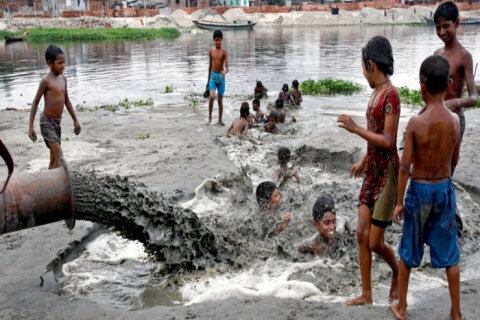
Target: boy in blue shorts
pixel 216 75
pixel 432 145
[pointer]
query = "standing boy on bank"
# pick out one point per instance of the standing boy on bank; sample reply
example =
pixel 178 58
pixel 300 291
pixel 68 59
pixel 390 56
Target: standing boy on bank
pixel 53 87
pixel 218 57
pixel 432 145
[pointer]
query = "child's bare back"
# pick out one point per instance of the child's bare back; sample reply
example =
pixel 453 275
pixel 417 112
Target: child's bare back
pixel 239 126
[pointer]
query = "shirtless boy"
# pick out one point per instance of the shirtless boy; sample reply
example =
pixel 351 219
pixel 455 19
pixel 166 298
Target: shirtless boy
pixel 240 126
pixel 218 57
pixel 53 88
pixel 432 145
pixel 268 198
pixel 285 171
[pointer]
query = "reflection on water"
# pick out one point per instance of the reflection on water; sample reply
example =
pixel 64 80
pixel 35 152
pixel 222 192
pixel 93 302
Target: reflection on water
pixel 105 72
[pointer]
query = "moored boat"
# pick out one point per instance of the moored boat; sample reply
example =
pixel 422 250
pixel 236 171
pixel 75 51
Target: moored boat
pixel 213 25
pixel 9 39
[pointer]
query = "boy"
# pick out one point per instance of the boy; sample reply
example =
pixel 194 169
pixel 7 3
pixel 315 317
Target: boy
pixel 260 91
pixel 325 221
pixel 53 87
pixel 285 96
pixel 296 93
pixel 271 125
pixel 268 198
pixel 259 116
pixel 218 57
pixel 282 174
pixel 432 145
pixel 240 126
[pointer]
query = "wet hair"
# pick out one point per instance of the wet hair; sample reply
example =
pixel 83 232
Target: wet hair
pixel 256 101
pixel 264 192
pixel 52 53
pixel 435 74
pixel 244 110
pixel 217 34
pixel 279 103
pixel 295 84
pixel 283 155
pixel 285 87
pixel 273 115
pixel 446 11
pixel 324 203
pixel 378 50
pixel 281 117
pixel 259 84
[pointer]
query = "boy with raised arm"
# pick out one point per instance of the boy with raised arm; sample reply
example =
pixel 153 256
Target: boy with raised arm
pixel 53 88
pixel 432 145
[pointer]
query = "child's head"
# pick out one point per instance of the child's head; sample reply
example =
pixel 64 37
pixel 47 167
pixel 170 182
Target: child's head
pixel 259 84
pixel 272 118
pixel 377 56
pixel 295 84
pixel 217 38
pixel 279 103
pixel 267 195
pixel 446 21
pixel 281 117
pixel 285 87
pixel 244 110
pixel 256 104
pixel 324 217
pixel 283 156
pixel 55 59
pixel 434 75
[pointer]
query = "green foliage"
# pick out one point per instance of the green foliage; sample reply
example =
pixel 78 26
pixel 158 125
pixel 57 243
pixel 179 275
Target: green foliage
pixel 143 137
pixel 329 86
pixel 279 3
pixel 4 33
pixel 194 102
pixel 169 89
pixel 478 104
pixel 410 96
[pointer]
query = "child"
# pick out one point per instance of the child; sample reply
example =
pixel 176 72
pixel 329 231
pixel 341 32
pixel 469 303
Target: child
pixel 325 221
pixel 240 126
pixel 268 198
pixel 432 145
pixel 285 96
pixel 250 120
pixel 271 125
pixel 284 172
pixel 260 91
pixel 296 93
pixel 216 75
pixel 380 164
pixel 53 87
pixel 259 116
pixel 280 113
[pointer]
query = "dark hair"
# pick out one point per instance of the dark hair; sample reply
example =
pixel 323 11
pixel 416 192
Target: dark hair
pixel 279 103
pixel 379 50
pixel 435 74
pixel 283 155
pixel 446 11
pixel 295 84
pixel 281 116
pixel 244 110
pixel 324 203
pixel 273 115
pixel 264 192
pixel 256 101
pixel 52 53
pixel 218 34
pixel 285 87
pixel 259 84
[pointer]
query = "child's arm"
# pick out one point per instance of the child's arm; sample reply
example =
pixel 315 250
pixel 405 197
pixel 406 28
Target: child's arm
pixel 292 100
pixel 226 64
pixel 359 167
pixel 209 66
pixel 285 221
pixel 471 100
pixel 245 128
pixel 297 176
pixel 41 90
pixel 68 104
pixel 300 99
pixel 230 128
pixel 404 171
pixel 456 153
pixel 275 175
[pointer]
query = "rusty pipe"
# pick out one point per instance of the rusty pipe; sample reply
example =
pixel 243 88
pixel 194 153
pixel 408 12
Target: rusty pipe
pixel 37 199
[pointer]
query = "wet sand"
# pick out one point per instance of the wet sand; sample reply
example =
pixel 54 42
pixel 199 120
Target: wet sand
pixel 113 148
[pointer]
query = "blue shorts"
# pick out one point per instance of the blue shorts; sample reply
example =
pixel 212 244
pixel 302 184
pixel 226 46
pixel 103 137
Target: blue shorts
pixel 217 82
pixel 429 217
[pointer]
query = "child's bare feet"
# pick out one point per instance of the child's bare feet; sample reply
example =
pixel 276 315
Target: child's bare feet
pixel 208 122
pixel 393 288
pixel 398 312
pixel 361 300
pixel 456 315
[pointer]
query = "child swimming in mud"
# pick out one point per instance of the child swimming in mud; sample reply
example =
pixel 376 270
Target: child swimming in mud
pixel 259 116
pixel 271 125
pixel 285 96
pixel 240 126
pixel 285 171
pixel 260 91
pixel 218 57
pixel 53 88
pixel 325 221
pixel 432 145
pixel 380 165
pixel 268 198
pixel 281 116
pixel 296 93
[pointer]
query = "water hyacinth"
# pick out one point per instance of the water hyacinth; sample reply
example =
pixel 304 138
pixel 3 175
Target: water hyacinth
pixel 329 86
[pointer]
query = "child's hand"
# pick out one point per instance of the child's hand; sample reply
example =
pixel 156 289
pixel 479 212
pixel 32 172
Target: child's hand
pixel 32 135
pixel 357 169
pixel 287 217
pixel 78 128
pixel 347 123
pixel 294 119
pixel 398 213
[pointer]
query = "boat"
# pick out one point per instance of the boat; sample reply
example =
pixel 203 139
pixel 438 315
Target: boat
pixel 9 39
pixel 214 25
pixel 462 21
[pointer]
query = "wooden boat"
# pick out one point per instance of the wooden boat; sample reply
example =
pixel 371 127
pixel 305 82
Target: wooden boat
pixel 462 21
pixel 9 39
pixel 213 25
